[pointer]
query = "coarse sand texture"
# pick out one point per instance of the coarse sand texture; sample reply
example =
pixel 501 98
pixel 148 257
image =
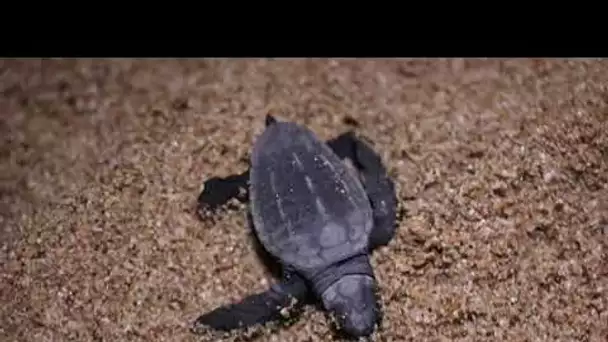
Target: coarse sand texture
pixel 501 167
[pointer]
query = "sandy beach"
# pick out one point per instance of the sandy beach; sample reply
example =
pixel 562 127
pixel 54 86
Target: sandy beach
pixel 501 167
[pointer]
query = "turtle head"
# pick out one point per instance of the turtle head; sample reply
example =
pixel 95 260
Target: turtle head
pixel 352 300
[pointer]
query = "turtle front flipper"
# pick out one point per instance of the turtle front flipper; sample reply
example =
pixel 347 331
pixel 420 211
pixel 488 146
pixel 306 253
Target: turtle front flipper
pixel 344 145
pixel 218 191
pixel 280 303
pixel 378 185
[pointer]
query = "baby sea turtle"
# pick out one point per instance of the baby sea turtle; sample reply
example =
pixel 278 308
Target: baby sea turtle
pixel 319 217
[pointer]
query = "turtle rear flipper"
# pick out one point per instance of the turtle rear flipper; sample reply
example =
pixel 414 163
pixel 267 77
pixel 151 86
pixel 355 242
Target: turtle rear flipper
pixel 280 303
pixel 219 190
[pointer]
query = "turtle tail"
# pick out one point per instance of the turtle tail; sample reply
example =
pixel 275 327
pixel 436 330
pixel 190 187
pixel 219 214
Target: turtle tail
pixel 270 120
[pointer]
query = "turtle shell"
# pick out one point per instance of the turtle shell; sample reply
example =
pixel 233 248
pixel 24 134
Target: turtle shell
pixel 308 208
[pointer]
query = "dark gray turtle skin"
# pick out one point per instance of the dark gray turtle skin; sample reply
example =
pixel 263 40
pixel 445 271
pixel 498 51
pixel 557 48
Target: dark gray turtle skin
pixel 319 218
